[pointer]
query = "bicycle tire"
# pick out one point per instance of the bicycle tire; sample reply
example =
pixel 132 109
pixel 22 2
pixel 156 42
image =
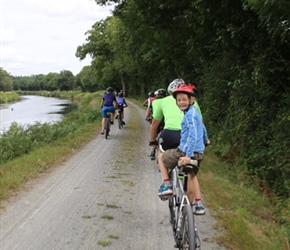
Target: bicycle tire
pixel 173 200
pixel 107 128
pixel 188 229
pixel 120 122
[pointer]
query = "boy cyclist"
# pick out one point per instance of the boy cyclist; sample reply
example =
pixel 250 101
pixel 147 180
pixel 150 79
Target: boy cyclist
pixel 121 102
pixel 191 145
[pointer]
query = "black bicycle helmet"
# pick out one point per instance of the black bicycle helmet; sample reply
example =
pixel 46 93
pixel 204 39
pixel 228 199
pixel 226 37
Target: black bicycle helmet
pixel 160 92
pixel 151 94
pixel 110 90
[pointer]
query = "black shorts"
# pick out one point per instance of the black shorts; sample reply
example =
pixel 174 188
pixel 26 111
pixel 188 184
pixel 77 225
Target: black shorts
pixel 169 139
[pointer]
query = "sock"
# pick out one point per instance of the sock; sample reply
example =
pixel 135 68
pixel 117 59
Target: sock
pixel 166 181
pixel 198 201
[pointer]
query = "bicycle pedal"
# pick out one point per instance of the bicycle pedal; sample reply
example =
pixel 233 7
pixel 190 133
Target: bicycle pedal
pixel 165 197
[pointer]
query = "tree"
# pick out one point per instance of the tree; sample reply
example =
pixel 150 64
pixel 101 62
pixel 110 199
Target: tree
pixel 66 81
pixel 6 82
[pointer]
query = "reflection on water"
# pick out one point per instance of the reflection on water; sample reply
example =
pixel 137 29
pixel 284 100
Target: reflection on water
pixel 32 109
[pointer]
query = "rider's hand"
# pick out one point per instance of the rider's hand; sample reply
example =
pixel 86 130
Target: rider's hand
pixel 185 160
pixel 153 143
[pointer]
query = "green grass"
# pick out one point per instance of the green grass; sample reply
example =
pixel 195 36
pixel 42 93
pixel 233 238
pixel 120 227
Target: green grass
pixel 113 237
pixel 6 97
pixel 14 173
pixel 104 243
pixel 107 217
pixel 247 216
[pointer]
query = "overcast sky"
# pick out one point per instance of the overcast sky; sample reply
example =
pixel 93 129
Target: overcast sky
pixel 41 36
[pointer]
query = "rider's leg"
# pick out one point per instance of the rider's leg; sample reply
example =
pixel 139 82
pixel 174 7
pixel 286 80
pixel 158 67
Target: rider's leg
pixel 112 110
pixel 103 123
pixel 193 190
pixel 167 160
pixel 162 167
pixel 103 119
pixel 147 114
pixel 194 194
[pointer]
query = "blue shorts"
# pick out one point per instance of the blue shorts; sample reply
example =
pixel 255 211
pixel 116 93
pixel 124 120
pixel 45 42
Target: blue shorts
pixel 107 108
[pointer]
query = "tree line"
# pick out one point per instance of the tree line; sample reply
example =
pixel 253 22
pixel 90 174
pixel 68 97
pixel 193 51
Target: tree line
pixel 63 81
pixel 237 52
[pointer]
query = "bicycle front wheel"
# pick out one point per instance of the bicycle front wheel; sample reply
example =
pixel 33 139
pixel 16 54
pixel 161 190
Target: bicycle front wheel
pixel 188 229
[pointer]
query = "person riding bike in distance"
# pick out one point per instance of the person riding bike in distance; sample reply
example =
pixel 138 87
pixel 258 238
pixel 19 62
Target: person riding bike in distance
pixel 121 102
pixel 148 103
pixel 160 94
pixel 191 146
pixel 107 104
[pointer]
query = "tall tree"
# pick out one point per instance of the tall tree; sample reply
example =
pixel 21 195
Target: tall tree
pixel 6 82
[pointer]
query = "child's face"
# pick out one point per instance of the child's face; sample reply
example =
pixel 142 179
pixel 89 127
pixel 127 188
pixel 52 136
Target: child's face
pixel 183 101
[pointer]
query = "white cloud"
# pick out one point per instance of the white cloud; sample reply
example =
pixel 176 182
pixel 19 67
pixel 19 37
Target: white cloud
pixel 38 37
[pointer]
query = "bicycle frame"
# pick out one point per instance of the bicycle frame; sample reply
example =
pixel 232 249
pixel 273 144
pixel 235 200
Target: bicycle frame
pixel 186 235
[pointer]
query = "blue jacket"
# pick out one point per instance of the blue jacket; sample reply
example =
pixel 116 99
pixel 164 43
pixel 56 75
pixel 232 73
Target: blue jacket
pixel 192 132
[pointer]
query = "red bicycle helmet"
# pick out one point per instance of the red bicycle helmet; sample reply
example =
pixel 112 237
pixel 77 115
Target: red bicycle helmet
pixel 186 88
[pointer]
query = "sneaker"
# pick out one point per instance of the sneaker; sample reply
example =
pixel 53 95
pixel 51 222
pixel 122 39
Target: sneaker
pixel 112 123
pixel 165 189
pixel 102 132
pixel 199 209
pixel 123 123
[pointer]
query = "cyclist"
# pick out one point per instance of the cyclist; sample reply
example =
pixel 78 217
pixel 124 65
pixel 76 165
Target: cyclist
pixel 148 103
pixel 170 136
pixel 159 94
pixel 107 104
pixel 121 102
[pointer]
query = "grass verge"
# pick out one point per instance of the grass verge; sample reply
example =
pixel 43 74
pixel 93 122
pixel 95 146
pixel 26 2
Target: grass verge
pixel 247 216
pixel 14 173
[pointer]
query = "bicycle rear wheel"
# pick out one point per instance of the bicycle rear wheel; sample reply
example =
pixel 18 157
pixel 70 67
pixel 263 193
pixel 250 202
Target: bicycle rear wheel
pixel 107 128
pixel 188 229
pixel 120 122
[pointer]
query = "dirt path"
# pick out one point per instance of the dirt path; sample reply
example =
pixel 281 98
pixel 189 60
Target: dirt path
pixel 104 195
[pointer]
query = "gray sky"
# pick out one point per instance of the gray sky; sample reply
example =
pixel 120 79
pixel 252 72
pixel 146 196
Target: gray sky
pixel 41 36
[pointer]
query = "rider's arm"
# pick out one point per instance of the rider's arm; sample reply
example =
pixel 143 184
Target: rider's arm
pixel 102 103
pixel 154 129
pixel 125 104
pixel 115 104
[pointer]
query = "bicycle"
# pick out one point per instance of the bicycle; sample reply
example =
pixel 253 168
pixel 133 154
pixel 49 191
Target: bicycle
pixel 107 124
pixel 120 120
pixel 182 218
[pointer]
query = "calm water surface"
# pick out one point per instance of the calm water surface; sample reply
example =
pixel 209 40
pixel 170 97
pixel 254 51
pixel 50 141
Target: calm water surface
pixel 32 109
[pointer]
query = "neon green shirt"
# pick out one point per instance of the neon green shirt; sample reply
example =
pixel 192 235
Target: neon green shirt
pixel 198 108
pixel 168 110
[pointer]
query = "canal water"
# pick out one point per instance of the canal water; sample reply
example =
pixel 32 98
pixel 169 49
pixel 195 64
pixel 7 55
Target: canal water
pixel 32 109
